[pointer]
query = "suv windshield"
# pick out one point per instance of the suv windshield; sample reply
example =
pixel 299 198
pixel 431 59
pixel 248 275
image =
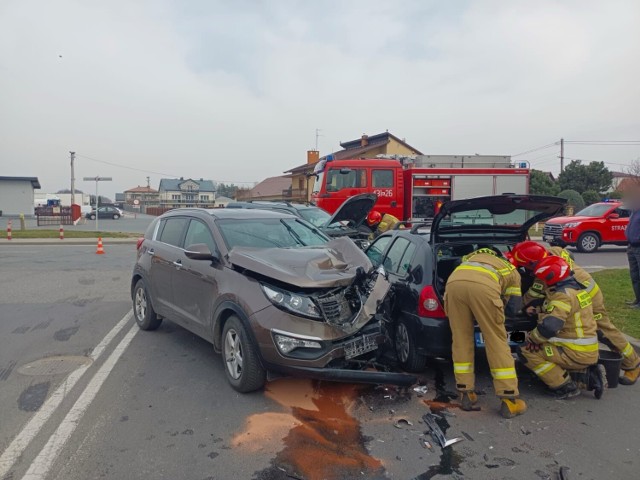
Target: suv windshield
pixel 315 216
pixel 595 210
pixel 269 233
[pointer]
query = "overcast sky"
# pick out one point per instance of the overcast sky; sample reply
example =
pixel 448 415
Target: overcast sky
pixel 234 90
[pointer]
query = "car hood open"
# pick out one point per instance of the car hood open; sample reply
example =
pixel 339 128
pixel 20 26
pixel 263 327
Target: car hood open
pixel 500 217
pixel 353 210
pixel 332 265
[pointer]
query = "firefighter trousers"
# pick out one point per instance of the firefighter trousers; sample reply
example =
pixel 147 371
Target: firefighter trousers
pixel 551 363
pixel 614 338
pixel 464 302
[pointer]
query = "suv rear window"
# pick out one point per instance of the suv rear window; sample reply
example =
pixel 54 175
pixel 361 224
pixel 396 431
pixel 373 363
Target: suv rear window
pixel 172 230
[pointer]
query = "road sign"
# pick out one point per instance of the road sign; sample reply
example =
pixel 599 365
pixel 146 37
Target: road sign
pixel 136 202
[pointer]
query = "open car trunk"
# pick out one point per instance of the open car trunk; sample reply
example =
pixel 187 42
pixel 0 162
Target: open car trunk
pixel 496 222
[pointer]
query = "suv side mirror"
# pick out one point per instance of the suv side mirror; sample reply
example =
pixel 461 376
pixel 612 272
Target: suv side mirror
pixel 200 251
pixel 613 216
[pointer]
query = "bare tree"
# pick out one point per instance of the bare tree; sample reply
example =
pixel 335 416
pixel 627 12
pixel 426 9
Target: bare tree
pixel 634 171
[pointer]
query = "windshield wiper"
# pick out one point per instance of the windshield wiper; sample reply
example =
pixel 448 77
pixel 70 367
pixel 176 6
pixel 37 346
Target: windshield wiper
pixel 293 233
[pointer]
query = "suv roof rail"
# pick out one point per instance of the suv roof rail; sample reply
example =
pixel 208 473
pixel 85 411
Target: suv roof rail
pixel 417 226
pixel 400 225
pixel 284 202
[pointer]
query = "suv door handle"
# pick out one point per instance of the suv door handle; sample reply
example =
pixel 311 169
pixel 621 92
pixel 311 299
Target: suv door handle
pixel 178 264
pixel 151 252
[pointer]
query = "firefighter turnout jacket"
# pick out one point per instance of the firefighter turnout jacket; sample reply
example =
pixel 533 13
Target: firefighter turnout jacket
pixel 614 337
pixel 478 289
pixel 567 333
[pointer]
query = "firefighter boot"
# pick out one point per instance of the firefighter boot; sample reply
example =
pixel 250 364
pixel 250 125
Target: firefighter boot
pixel 512 407
pixel 597 380
pixel 581 378
pixel 468 401
pixel 566 390
pixel 629 377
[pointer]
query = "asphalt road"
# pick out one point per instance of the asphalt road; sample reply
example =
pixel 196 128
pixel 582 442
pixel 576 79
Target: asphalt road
pixel 103 400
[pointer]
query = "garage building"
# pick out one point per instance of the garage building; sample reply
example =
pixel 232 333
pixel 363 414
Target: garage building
pixel 17 196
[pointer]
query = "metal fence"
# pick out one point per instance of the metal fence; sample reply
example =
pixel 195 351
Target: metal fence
pixel 54 216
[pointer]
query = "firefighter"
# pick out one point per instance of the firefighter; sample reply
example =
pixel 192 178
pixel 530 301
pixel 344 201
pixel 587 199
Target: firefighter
pixel 482 287
pixel 380 223
pixel 528 254
pixel 565 338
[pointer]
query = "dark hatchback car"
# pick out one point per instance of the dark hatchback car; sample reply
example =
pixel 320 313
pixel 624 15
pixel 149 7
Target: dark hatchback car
pixel 347 221
pixel 105 212
pixel 269 290
pixel 419 261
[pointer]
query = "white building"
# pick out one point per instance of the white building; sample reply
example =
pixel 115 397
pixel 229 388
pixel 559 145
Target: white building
pixel 16 195
pixel 176 193
pixel 82 199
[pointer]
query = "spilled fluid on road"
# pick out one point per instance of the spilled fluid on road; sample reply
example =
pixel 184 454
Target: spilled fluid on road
pixel 322 439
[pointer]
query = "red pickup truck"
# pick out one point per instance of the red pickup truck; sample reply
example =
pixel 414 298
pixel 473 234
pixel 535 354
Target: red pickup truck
pixel 598 224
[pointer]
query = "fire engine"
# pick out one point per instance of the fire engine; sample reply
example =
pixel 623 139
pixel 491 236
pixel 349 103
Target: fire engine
pixel 413 188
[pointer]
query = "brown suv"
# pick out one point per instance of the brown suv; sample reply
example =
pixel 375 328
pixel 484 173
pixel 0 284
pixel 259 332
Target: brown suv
pixel 269 290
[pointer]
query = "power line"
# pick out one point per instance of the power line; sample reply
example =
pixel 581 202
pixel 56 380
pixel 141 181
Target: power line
pixel 535 149
pixel 143 170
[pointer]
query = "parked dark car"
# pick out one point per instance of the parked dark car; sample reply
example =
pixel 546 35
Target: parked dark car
pixel 419 261
pixel 269 290
pixel 347 221
pixel 105 212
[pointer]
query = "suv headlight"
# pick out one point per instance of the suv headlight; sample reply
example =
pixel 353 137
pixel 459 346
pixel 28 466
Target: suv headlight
pixel 571 225
pixel 292 302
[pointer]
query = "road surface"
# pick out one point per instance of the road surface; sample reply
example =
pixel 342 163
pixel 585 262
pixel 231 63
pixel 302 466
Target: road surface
pixel 85 395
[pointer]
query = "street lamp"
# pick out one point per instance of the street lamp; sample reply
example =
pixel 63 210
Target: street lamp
pixel 97 179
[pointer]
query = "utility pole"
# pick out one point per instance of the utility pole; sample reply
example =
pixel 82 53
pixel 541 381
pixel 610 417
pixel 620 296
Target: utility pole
pixel 97 179
pixel 73 178
pixel 317 136
pixel 561 155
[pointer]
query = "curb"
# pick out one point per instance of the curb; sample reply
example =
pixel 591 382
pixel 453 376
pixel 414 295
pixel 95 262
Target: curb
pixel 634 342
pixel 69 241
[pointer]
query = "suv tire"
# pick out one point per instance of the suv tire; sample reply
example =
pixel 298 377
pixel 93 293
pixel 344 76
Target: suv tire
pixel 241 363
pixel 406 348
pixel 588 242
pixel 116 216
pixel 143 311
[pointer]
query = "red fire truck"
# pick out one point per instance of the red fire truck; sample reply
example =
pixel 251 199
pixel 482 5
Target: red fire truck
pixel 413 188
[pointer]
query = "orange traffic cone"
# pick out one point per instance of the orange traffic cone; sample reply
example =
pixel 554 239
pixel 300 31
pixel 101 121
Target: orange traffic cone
pixel 100 250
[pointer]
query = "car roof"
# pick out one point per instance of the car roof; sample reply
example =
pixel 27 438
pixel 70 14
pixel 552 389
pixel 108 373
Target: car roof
pixel 231 213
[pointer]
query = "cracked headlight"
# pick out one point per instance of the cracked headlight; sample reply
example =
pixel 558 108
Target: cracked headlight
pixel 292 302
pixel 571 225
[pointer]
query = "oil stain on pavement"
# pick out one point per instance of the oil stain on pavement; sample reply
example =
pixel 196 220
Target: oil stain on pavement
pixel 32 397
pixel 321 439
pixel 65 334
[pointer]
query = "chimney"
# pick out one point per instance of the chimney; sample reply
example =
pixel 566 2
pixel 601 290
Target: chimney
pixel 313 156
pixel 364 141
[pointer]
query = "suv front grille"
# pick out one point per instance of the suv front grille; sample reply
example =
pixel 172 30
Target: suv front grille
pixel 552 230
pixel 336 307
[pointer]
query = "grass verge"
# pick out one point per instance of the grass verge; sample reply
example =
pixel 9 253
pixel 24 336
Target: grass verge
pixel 67 234
pixel 616 287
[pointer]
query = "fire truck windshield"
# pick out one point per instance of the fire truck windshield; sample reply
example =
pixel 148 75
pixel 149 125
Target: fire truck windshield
pixel 318 183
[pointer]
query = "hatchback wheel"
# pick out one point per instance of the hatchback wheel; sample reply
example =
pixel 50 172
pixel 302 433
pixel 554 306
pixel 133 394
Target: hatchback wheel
pixel 588 243
pixel 146 317
pixel 116 216
pixel 406 348
pixel 92 217
pixel 242 365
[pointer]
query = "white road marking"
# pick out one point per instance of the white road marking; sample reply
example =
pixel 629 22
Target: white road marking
pixel 42 463
pixel 35 424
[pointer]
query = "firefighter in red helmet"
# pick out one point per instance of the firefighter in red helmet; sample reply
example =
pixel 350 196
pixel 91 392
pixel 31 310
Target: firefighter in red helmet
pixel 565 338
pixel 380 223
pixel 528 254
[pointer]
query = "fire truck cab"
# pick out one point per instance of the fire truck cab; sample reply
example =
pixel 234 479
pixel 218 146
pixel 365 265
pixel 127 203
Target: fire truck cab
pixel 414 188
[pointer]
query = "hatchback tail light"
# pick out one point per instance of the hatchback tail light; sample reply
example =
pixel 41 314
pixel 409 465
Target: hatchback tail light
pixel 139 244
pixel 429 304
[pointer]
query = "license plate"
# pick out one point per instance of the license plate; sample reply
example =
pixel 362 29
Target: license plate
pixel 360 346
pixel 547 238
pixel 480 339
